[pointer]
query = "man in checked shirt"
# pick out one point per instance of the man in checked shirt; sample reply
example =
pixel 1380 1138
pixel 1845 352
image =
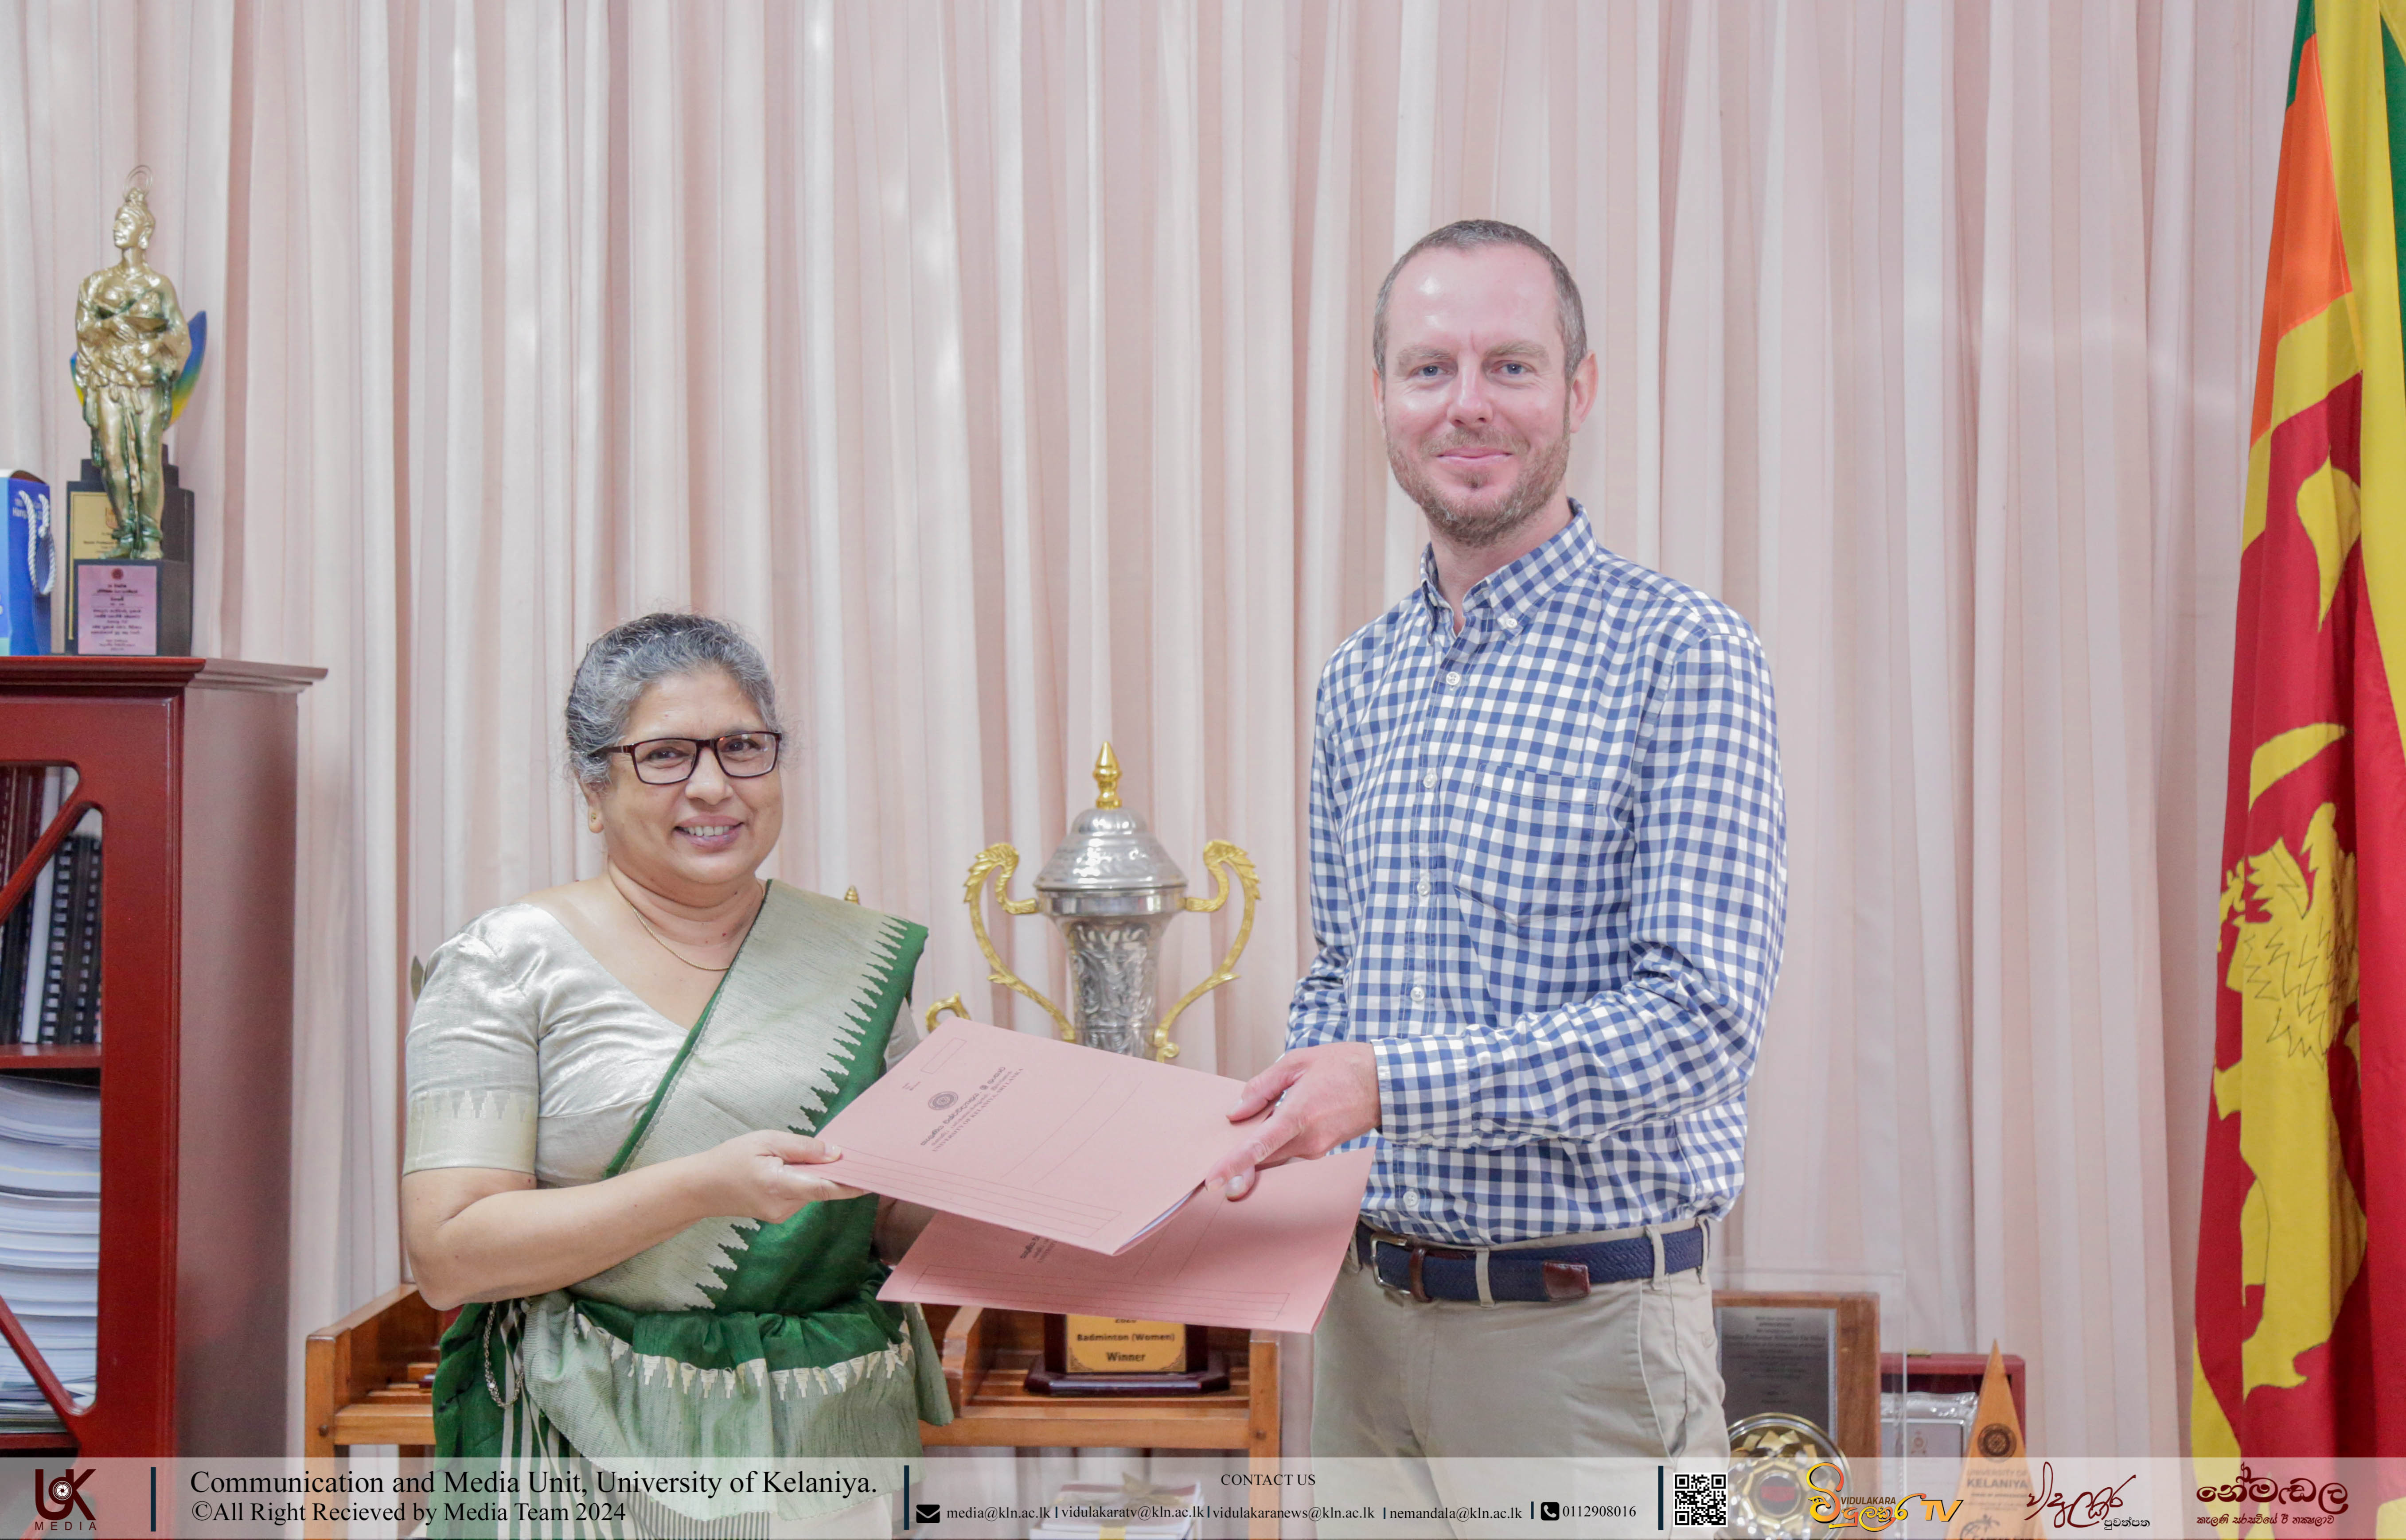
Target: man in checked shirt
pixel 1548 881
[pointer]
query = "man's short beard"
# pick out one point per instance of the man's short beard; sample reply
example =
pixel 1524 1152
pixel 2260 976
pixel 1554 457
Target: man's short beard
pixel 1540 478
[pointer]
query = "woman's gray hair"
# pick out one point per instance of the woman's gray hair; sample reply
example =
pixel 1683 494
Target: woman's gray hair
pixel 624 661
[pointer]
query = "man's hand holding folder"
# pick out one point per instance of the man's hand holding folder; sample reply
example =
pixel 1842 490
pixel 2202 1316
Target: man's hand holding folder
pixel 1050 1140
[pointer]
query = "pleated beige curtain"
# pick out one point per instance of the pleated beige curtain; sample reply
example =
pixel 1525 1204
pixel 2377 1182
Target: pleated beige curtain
pixel 1002 367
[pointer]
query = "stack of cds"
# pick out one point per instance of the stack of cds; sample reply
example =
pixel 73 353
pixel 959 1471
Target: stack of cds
pixel 50 1240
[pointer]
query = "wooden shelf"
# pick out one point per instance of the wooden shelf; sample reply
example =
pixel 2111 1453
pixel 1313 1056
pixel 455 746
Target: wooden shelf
pixel 409 1424
pixel 36 1443
pixel 48 1056
pixel 988 1354
pixel 60 674
pixel 194 764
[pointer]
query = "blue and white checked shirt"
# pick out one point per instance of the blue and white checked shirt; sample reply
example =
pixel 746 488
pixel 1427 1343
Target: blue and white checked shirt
pixel 1548 878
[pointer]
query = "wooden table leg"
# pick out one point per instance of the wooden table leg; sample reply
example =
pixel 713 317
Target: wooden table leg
pixel 1262 1429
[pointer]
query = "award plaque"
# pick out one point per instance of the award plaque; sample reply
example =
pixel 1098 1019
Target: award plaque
pixel 1993 1491
pixel 1106 1355
pixel 91 540
pixel 1113 889
pixel 133 609
pixel 1813 1356
pixel 1779 1359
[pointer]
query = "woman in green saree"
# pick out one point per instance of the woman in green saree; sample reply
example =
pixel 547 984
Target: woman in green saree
pixel 612 1090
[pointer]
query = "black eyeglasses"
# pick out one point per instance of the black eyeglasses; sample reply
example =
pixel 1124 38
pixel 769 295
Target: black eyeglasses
pixel 668 761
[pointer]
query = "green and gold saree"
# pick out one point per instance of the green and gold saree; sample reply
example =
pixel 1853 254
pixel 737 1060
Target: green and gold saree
pixel 731 1340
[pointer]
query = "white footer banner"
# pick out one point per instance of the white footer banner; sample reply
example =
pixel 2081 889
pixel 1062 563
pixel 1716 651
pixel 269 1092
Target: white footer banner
pixel 1109 1494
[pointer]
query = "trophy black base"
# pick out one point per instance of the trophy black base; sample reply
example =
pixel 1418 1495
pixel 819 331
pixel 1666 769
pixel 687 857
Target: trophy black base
pixel 1190 1368
pixel 143 614
pixel 1213 1377
pixel 131 609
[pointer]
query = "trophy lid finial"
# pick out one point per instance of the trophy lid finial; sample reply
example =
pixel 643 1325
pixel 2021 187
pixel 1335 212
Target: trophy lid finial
pixel 1108 855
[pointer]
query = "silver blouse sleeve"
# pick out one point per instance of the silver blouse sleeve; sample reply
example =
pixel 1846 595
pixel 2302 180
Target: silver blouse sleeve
pixel 472 1075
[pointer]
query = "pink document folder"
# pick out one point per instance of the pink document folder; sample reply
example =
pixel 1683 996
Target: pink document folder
pixel 1065 1142
pixel 1268 1262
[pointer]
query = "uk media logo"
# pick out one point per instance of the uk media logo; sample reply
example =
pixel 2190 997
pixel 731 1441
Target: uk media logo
pixel 59 1497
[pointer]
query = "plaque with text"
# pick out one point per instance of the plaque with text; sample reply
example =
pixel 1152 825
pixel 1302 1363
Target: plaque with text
pixel 1780 1359
pixel 1111 1345
pixel 88 532
pixel 133 609
pixel 117 604
pixel 1107 1355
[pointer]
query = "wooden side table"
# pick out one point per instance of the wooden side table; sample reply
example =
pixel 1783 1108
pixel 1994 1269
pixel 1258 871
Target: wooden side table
pixel 369 1379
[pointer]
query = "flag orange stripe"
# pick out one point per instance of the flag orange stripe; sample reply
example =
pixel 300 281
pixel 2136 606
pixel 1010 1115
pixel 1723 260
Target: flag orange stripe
pixel 2309 267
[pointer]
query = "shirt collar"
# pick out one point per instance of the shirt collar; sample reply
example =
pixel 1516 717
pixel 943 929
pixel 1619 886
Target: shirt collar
pixel 1517 584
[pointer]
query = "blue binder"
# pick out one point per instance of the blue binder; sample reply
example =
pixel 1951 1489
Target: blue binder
pixel 32 557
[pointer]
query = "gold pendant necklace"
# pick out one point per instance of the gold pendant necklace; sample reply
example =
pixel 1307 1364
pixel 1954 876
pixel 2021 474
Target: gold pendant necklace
pixel 663 940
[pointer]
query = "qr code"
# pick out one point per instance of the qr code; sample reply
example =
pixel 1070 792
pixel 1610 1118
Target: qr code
pixel 1699 1499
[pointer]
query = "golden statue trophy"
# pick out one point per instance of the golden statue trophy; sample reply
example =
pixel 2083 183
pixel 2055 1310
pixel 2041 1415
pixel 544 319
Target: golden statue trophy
pixel 1113 889
pixel 129 583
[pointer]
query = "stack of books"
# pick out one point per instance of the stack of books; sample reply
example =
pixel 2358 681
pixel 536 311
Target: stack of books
pixel 26 805
pixel 1137 1511
pixel 50 945
pixel 50 1240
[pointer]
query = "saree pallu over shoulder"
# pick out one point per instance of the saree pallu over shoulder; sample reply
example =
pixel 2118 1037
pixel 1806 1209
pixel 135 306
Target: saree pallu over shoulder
pixel 733 1338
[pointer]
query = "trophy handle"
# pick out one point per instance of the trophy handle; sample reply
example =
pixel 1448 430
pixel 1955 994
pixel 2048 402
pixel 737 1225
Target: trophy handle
pixel 951 1003
pixel 1220 857
pixel 996 863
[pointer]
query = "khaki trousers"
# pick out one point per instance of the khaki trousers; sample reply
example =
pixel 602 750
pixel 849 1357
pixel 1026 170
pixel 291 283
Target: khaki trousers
pixel 1631 1371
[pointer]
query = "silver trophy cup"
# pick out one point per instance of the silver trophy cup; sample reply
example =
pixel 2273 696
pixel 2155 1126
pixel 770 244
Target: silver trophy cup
pixel 1112 890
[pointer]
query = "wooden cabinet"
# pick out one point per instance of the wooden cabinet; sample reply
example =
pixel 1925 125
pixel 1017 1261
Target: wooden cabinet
pixel 193 765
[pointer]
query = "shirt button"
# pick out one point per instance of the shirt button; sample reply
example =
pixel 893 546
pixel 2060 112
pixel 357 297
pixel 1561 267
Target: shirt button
pixel 1429 781
pixel 1452 677
pixel 1412 1202
pixel 1419 993
pixel 1425 887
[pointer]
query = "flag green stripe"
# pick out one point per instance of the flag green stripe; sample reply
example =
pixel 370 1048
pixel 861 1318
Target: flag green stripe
pixel 2393 90
pixel 2297 45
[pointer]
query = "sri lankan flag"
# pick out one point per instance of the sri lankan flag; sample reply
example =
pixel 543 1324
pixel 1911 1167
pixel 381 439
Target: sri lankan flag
pixel 2302 1259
